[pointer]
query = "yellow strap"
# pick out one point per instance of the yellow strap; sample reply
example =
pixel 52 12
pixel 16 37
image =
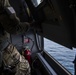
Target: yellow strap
pixel 28 11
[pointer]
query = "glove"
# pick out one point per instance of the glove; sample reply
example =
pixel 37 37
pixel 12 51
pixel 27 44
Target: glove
pixel 22 27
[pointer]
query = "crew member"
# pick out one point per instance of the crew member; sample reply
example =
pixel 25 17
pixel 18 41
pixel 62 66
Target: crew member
pixel 10 23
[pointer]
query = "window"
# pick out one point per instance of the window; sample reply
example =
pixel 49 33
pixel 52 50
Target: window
pixel 36 2
pixel 62 54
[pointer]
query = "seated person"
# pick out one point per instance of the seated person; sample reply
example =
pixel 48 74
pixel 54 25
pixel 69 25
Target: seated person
pixel 11 24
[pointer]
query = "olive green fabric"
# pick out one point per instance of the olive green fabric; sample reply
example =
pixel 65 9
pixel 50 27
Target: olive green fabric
pixel 11 23
pixel 5 2
pixel 13 26
pixel 4 42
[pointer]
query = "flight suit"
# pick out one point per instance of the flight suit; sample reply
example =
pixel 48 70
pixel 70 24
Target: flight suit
pixel 8 53
pixel 12 58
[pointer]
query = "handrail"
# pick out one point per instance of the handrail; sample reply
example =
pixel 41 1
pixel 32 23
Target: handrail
pixel 46 65
pixel 59 69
